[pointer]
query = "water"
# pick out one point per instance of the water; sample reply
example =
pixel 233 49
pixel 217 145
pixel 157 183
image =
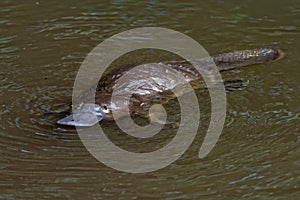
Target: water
pixel 42 45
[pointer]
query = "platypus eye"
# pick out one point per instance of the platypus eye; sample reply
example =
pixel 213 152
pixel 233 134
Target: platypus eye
pixel 105 109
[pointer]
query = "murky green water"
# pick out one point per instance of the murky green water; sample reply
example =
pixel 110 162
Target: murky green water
pixel 42 45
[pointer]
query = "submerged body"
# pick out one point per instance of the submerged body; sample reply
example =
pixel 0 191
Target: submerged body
pixel 147 89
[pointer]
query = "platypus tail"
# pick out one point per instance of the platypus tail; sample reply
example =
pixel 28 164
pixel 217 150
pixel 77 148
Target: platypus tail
pixel 228 61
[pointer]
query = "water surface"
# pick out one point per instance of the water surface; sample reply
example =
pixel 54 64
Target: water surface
pixel 42 45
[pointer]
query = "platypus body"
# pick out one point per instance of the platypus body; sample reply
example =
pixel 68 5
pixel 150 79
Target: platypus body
pixel 149 88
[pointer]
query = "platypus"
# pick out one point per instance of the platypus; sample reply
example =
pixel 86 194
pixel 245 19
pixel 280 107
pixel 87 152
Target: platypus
pixel 152 91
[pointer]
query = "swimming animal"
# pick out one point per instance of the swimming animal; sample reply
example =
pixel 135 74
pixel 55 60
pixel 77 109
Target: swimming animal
pixel 150 88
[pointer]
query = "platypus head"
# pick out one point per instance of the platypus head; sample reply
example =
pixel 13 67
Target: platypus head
pixel 87 114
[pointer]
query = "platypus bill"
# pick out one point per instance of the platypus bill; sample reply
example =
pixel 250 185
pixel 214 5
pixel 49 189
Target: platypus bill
pixel 88 113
